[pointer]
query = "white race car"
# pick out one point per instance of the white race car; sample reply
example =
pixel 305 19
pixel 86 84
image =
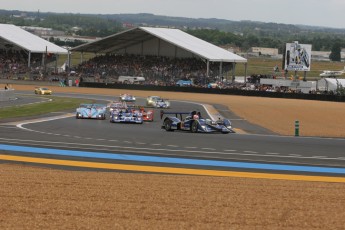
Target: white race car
pixel 127 97
pixel 157 102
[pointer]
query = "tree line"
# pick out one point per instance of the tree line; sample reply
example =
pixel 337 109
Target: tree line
pixel 242 34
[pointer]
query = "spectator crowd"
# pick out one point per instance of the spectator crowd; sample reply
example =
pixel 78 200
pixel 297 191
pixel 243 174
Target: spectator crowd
pixel 14 64
pixel 156 70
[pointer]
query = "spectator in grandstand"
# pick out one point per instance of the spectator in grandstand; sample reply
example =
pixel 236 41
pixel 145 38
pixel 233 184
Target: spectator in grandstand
pixel 77 82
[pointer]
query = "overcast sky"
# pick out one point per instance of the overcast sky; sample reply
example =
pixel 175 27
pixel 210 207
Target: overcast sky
pixel 329 13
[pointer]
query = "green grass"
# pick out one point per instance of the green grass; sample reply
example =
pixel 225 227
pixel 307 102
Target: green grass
pixel 57 104
pixel 265 66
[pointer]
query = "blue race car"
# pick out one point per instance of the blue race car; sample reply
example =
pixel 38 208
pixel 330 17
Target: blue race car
pixel 94 111
pixel 194 123
pixel 126 116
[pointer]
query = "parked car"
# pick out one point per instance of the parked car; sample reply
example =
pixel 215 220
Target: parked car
pixel 130 79
pixel 184 83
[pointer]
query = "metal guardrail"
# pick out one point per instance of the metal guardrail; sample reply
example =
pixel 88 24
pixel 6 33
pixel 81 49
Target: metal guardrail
pixel 7 94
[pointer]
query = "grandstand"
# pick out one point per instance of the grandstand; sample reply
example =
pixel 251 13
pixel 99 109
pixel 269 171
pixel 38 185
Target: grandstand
pixel 162 42
pixel 23 52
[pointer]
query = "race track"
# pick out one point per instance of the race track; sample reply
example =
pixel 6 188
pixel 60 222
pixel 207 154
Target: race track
pixel 61 139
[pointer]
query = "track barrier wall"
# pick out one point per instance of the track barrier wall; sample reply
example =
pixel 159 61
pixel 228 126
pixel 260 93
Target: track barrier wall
pixel 319 97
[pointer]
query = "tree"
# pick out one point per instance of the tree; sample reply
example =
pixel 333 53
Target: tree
pixel 335 52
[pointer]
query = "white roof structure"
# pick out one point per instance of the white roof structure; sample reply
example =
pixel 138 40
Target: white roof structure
pixel 330 84
pixel 161 42
pixel 14 37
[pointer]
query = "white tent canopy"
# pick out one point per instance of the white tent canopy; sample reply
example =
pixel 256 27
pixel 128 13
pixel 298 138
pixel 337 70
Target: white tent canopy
pixel 330 84
pixel 161 42
pixel 14 37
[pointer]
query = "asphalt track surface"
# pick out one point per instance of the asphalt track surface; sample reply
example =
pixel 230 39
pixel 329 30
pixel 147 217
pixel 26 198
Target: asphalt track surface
pixel 61 140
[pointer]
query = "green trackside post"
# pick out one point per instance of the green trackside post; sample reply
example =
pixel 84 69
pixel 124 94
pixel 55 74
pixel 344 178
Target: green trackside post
pixel 296 128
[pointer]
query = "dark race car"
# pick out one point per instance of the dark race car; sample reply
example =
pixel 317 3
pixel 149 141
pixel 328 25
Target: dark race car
pixel 194 123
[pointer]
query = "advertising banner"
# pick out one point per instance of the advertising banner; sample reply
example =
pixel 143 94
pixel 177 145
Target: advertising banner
pixel 297 57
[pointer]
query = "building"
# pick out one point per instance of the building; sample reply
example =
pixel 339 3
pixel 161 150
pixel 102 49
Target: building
pixel 43 32
pixel 320 55
pixel 264 51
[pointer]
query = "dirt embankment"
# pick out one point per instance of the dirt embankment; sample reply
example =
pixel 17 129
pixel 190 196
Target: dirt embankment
pixel 38 198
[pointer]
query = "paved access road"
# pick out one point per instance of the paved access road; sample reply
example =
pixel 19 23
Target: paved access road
pixel 62 137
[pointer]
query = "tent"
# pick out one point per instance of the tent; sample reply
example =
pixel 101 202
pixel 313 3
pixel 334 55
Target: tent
pixel 14 38
pixel 161 42
pixel 330 84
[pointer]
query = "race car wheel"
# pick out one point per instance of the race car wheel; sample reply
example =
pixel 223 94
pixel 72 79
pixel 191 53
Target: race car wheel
pixel 194 127
pixel 77 116
pixel 167 125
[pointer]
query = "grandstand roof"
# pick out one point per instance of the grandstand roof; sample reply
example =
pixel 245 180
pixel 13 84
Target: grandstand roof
pixel 161 42
pixel 14 37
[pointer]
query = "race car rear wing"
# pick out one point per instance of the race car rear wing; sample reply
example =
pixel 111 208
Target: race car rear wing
pixel 162 113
